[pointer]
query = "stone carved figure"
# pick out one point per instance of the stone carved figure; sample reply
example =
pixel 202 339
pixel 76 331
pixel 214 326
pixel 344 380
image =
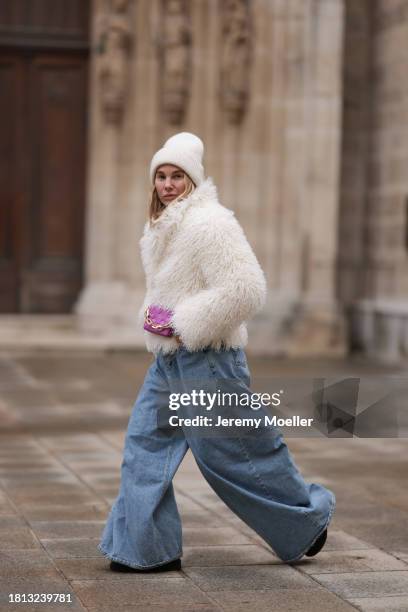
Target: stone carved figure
pixel 114 45
pixel 175 58
pixel 236 57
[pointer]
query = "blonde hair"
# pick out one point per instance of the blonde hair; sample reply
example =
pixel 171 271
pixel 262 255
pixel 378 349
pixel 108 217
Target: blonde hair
pixel 156 207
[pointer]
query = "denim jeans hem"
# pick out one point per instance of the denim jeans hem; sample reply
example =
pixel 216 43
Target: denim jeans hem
pixel 130 564
pixel 331 511
pixel 286 512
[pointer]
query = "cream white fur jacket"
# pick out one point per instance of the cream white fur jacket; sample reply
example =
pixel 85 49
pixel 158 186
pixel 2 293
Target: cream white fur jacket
pixel 199 264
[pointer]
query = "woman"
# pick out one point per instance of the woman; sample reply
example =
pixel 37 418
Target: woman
pixel 203 282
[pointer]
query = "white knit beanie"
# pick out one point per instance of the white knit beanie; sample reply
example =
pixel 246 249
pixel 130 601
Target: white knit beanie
pixel 184 150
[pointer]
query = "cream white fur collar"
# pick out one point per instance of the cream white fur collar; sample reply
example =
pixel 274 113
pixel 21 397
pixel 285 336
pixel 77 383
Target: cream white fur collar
pixel 205 192
pixel 157 235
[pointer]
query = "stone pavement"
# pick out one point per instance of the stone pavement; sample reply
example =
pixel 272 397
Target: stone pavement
pixel 62 423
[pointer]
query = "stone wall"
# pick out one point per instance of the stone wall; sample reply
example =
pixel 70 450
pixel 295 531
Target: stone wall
pixel 261 83
pixel 357 97
pixel 373 262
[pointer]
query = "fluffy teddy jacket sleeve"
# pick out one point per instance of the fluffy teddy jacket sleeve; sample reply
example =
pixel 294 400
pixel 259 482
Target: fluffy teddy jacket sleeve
pixel 199 263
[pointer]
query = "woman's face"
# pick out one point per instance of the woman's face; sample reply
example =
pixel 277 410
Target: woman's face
pixel 169 182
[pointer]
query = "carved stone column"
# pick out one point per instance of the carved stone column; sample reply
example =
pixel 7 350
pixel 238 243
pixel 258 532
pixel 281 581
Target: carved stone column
pixel 236 40
pixel 105 297
pixel 319 326
pixel 174 47
pixel 114 45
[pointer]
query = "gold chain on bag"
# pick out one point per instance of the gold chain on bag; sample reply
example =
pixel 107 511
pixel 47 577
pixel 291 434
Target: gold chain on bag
pixel 155 325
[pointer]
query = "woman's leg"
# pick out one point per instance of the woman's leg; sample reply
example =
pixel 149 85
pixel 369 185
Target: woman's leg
pixel 143 528
pixel 253 471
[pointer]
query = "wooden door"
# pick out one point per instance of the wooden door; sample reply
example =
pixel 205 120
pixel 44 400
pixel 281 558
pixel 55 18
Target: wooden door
pixel 43 127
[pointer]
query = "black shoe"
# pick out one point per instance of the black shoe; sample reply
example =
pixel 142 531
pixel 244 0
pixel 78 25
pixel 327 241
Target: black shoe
pixel 172 566
pixel 318 545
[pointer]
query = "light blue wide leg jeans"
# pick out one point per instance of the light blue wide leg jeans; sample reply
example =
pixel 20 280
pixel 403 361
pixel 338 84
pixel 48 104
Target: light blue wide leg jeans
pixel 251 470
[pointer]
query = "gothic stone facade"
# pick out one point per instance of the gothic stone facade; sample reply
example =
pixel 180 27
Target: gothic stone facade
pixel 303 108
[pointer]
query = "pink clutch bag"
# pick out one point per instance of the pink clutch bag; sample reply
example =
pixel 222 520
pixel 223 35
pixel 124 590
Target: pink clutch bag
pixel 158 320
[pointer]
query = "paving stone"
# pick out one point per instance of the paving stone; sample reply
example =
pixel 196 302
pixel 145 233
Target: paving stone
pixel 65 368
pixel 22 538
pixel 280 600
pixel 400 555
pixel 386 535
pixel 244 529
pixel 96 480
pixel 47 495
pixel 98 568
pixel 87 443
pixel 30 397
pixel 193 518
pixel 366 584
pixel 186 504
pixel 249 577
pixel 16 464
pixel 103 374
pixel 45 477
pixel 350 561
pixel 107 492
pixel 90 465
pixel 73 395
pixel 49 512
pixel 22 491
pixel 381 604
pixel 14 444
pixel 15 534
pixel 198 488
pixel 21 451
pixel 56 422
pixel 227 555
pixel 50 487
pixel 11 373
pixel 145 607
pixel 107 595
pixel 109 499
pixel 6 508
pixel 26 563
pixel 65 529
pixel 110 467
pixel 72 548
pixel 114 438
pixel 339 540
pixel 351 507
pixel 213 536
